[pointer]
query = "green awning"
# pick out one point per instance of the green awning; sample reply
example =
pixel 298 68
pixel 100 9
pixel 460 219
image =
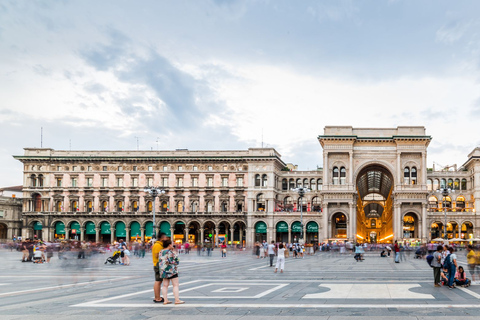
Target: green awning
pixel 261 227
pixel 76 226
pixel 165 228
pixel 90 228
pixel 120 229
pixel 105 228
pixel 135 229
pixel 37 226
pixel 312 226
pixel 296 226
pixel 282 226
pixel 60 228
pixel 149 229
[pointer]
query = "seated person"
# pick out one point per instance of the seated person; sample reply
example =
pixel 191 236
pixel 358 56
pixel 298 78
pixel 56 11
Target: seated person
pixel 383 254
pixel 443 276
pixel 461 279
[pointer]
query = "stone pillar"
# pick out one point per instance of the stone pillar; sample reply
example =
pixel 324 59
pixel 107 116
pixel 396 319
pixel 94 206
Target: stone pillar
pixel 290 235
pixel 127 234
pixel 171 234
pixel 304 233
pixel 67 233
pixel 396 220
pixel 240 236
pixel 325 168
pixel 325 230
pixel 350 170
pixel 352 222
pixel 216 237
pixel 424 235
pixel 82 234
pixel 186 234
pixel 319 237
pixel 142 234
pixel 202 235
pixel 231 235
pixel 112 234
pixel 97 234
pixel 399 169
pixel 249 237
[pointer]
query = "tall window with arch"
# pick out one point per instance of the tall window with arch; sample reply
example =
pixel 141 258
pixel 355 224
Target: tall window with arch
pixel 284 185
pixel 343 175
pixel 74 205
pixel 336 174
pixel 59 206
pixel 313 185
pixel 264 180
pixel 257 180
pixel 406 175
pixel 413 175
pixel 135 206
pixel 149 206
pixel 89 206
pixel 104 206
pixel 319 184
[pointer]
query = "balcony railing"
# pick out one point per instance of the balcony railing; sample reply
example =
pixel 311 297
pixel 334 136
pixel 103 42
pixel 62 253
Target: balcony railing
pixel 458 210
pixel 158 213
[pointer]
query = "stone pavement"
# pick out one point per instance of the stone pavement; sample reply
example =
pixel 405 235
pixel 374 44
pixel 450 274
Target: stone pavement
pixel 324 286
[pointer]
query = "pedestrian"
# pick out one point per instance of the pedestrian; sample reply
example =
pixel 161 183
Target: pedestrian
pixel 265 249
pixel 223 248
pixel 257 249
pixel 271 252
pixel 389 250
pixel 280 258
pixel 156 249
pixel 168 266
pixel 122 246
pixel 437 266
pixel 461 279
pixel 472 262
pixel 402 252
pixel 450 265
pixel 287 252
pixel 397 252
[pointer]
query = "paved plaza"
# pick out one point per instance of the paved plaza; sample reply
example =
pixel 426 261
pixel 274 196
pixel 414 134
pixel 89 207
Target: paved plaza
pixel 324 286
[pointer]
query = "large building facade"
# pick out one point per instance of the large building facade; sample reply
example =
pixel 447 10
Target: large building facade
pixel 374 186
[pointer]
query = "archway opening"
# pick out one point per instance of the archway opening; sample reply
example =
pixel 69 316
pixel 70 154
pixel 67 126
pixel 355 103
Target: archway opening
pixel 374 205
pixel 410 226
pixel 339 226
pixel 3 231
pixel 467 230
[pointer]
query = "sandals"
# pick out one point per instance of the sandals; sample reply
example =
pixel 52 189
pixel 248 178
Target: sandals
pixel 180 302
pixel 167 302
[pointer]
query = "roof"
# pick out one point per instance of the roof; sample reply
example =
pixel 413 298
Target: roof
pixel 14 188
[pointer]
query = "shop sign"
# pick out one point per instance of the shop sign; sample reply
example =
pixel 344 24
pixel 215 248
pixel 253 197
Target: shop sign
pixel 296 227
pixel 261 227
pixel 312 227
pixel 282 227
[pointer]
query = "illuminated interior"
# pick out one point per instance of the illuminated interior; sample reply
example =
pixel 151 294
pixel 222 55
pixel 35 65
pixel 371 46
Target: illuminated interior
pixel 375 205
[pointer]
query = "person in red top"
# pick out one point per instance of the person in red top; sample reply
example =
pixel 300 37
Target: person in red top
pixel 224 249
pixel 397 252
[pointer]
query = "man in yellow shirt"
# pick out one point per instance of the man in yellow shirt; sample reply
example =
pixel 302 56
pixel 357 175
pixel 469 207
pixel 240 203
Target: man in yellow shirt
pixel 156 249
pixel 472 257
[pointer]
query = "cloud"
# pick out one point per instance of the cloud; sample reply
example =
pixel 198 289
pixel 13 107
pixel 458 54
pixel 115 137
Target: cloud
pixel 453 31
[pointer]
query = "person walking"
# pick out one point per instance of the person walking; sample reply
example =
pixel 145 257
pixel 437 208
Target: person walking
pixel 156 249
pixel 271 252
pixel 280 258
pixel 257 249
pixel 451 265
pixel 396 248
pixel 437 266
pixel 472 262
pixel 168 266
pixel 223 248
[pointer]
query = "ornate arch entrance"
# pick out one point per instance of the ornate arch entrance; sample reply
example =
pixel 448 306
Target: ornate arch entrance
pixel 374 204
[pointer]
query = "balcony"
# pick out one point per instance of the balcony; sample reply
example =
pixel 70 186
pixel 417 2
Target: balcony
pixel 451 210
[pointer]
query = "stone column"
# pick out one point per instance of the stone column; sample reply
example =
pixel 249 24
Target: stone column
pixel 186 233
pixel 325 168
pixel 231 235
pixel 319 237
pixel 82 233
pixel 97 234
pixel 142 234
pixel 424 235
pixel 127 234
pixel 396 222
pixel 399 169
pixel 216 237
pixel 112 234
pixel 304 233
pixel 352 223
pixel 325 230
pixel 67 233
pixel 202 235
pixel 350 170
pixel 289 235
pixel 171 234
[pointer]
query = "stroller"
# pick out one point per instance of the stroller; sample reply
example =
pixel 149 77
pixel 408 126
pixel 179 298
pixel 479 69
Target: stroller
pixel 37 257
pixel 114 259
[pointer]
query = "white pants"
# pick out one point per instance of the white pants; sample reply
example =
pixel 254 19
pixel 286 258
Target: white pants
pixel 280 263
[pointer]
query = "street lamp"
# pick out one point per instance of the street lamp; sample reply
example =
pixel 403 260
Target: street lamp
pixel 154 192
pixel 301 192
pixel 445 192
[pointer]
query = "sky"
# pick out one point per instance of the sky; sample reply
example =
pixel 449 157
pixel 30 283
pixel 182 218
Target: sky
pixel 227 75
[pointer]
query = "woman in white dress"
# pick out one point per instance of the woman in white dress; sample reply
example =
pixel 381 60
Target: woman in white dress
pixel 280 258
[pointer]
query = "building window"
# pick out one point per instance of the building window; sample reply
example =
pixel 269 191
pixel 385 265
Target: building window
pixel 150 182
pixel 319 184
pixel 89 168
pixel 429 185
pixel 119 206
pixel 104 182
pixel 195 168
pixel 413 175
pixel 74 206
pixel 119 182
pixel 225 168
pixel 74 168
pixel 164 182
pixel 209 182
pixel 450 183
pixel 406 175
pixel 134 168
pixel 120 168
pixel 335 175
pixel 134 182
pixel 74 182
pixel 105 206
pixel 89 182
pixel 180 168
pixel 264 180
pixel 59 182
pixel 149 206
pixel 104 168
pixel 135 206
pixel 224 182
pixel 464 184
pixel 343 175
pixel 179 182
pixel 59 168
pixel 59 206
pixel 89 206
pixel 239 182
pixel 257 180
pixel 150 168
pixel 284 185
pixel 443 183
pixel 195 182
pixel 210 168
pixel 165 168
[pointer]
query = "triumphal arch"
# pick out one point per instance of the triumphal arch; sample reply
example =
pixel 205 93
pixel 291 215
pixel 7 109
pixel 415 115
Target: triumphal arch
pixel 374 179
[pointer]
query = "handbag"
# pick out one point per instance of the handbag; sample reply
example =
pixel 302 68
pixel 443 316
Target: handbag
pixel 127 252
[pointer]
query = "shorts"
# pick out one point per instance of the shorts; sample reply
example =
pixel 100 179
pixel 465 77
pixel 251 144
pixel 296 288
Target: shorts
pixel 157 274
pixel 173 277
pixel 471 268
pixel 122 254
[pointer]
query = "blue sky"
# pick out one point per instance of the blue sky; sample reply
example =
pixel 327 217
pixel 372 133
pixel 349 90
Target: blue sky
pixel 216 74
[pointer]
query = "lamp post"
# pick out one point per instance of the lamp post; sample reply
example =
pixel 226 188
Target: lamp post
pixel 445 192
pixel 301 192
pixel 154 192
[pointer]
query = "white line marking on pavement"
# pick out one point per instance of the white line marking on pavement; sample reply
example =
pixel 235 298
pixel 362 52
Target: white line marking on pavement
pixel 59 287
pixel 262 294
pixel 470 292
pixel 282 306
pixel 369 291
pixel 4 284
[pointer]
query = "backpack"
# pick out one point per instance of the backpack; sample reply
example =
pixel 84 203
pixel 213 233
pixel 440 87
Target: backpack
pixel 429 260
pixel 448 262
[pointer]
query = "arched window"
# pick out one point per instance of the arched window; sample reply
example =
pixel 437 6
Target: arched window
pixel 299 183
pixel 429 184
pixel 104 206
pixel 180 206
pixel 436 184
pixel 460 202
pixel 264 180
pixel 164 206
pixel 406 175
pixel 209 206
pixel 432 203
pixel 413 175
pixel 450 183
pixel 74 206
pixel 37 202
pixel 288 204
pixel 319 184
pixel 305 183
pixel 335 175
pixel 284 184
pixel 33 180
pixel 40 180
pixel 343 175
pixel 119 206
pixel 316 205
pixel 224 206
pixel 464 184
pixel 443 183
pixel 313 185
pixel 291 184
pixel 89 206
pixel 447 202
pixel 456 184
pixel 257 180
pixel 135 206
pixel 149 206
pixel 59 206
pixel 260 202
